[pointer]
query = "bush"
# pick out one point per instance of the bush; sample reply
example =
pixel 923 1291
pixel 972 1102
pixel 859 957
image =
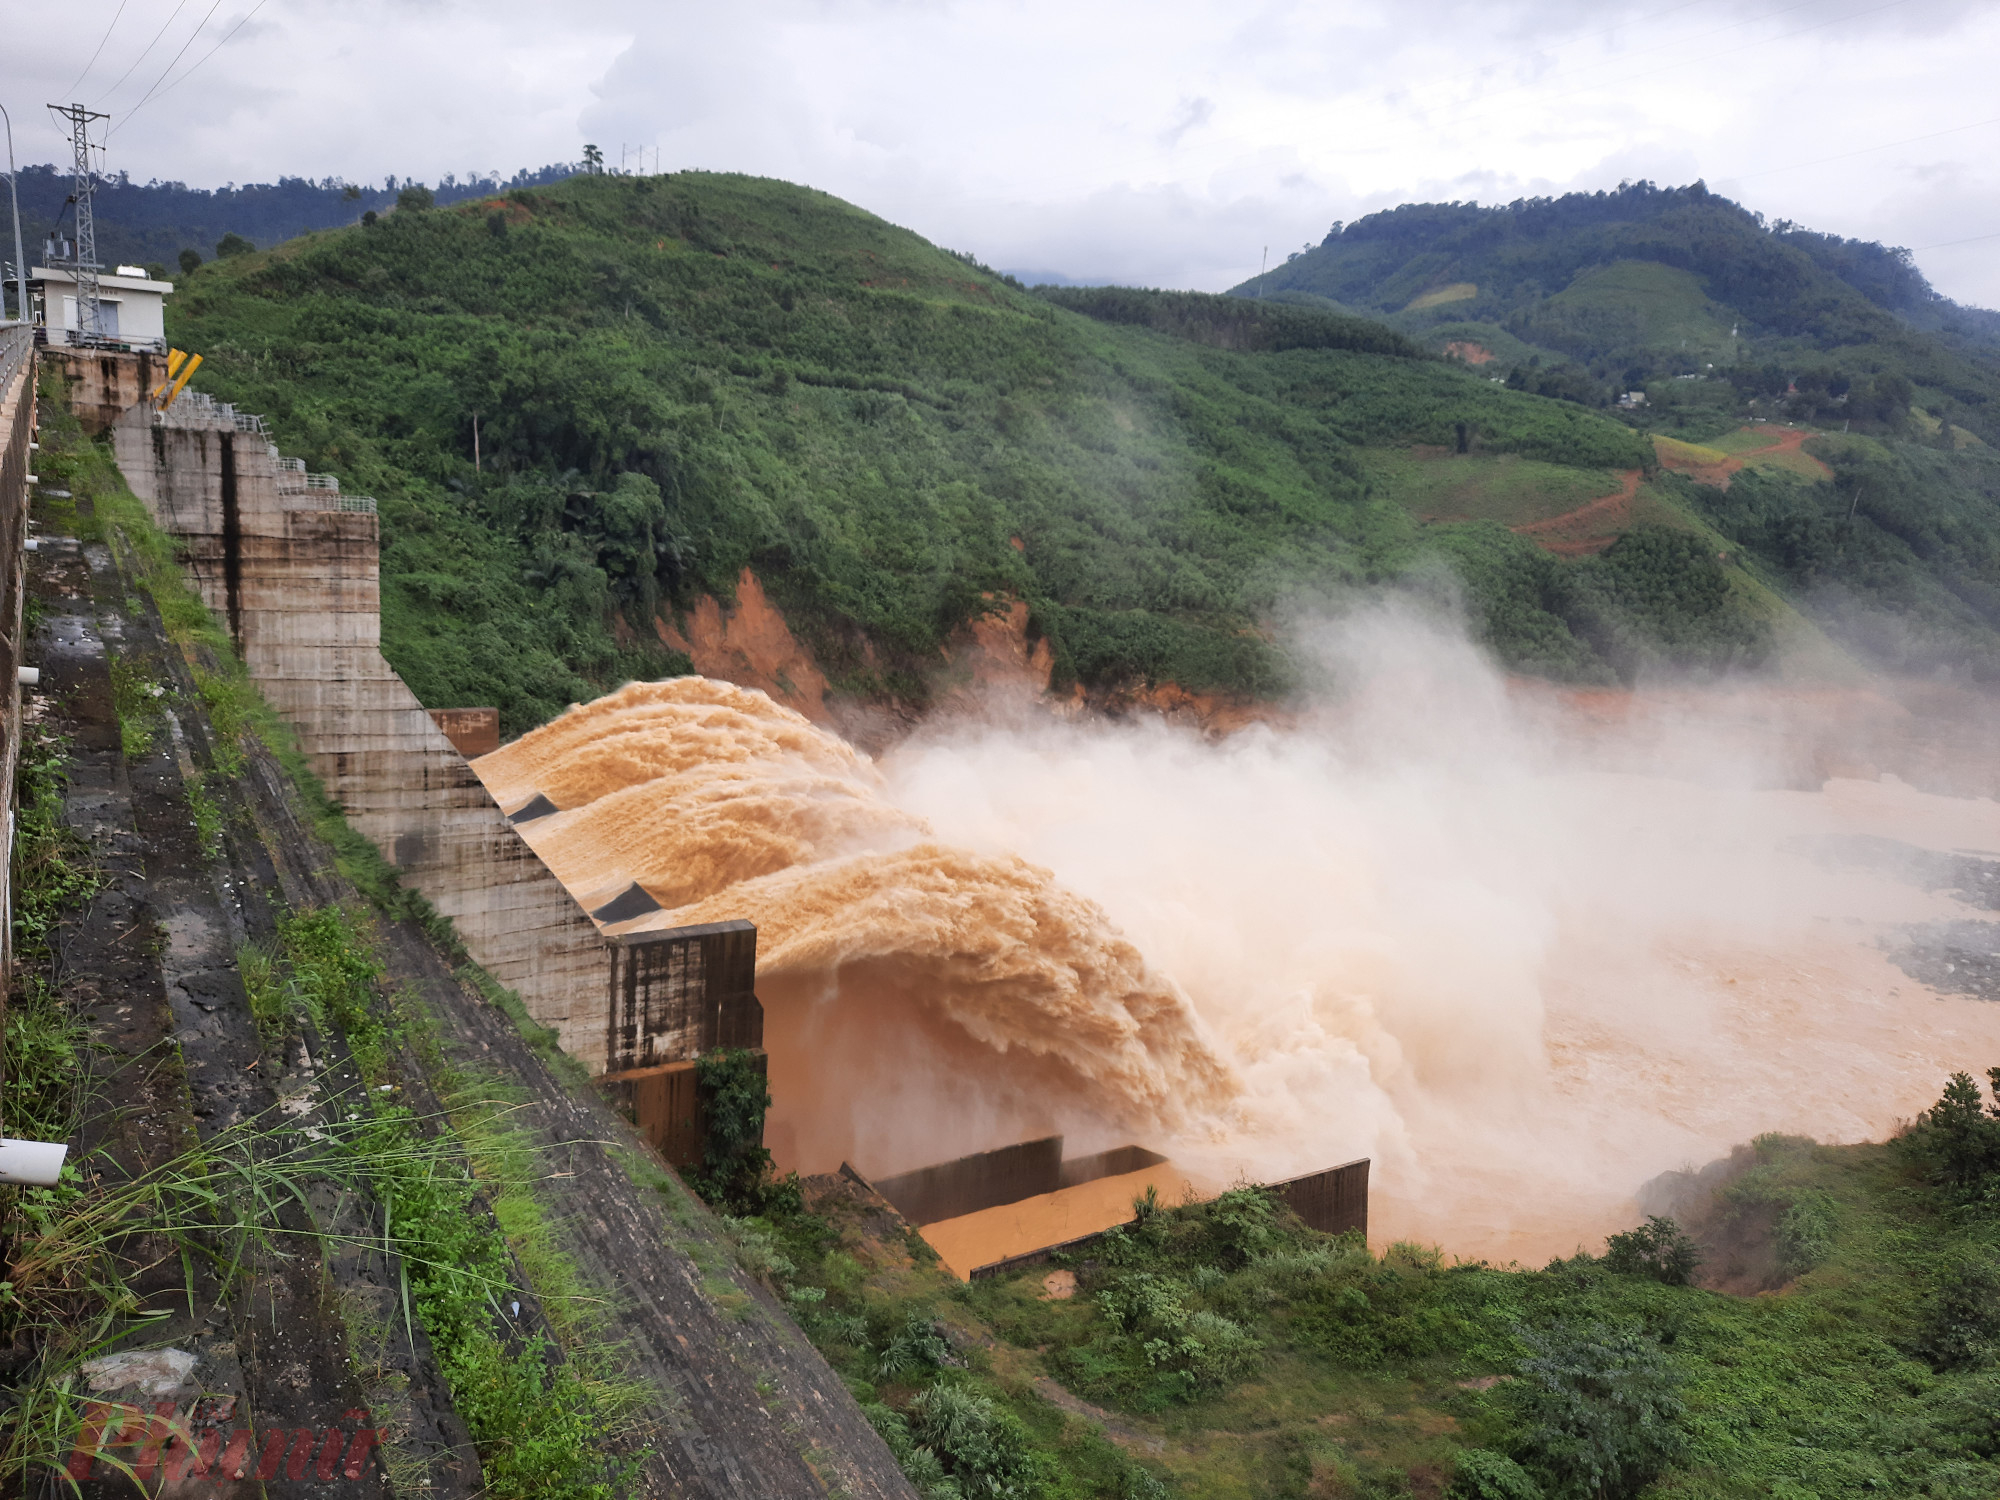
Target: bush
pixel 1805 1234
pixel 1601 1411
pixel 1960 1325
pixel 982 1450
pixel 1957 1140
pixel 232 245
pixel 1491 1476
pixel 1659 1248
pixel 1199 1350
pixel 735 1169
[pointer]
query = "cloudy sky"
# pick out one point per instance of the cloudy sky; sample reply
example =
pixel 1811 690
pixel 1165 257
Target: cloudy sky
pixel 1165 143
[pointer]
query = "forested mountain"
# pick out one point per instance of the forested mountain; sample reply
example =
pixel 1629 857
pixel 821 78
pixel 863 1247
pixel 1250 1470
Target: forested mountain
pixel 151 223
pixel 1643 286
pixel 676 378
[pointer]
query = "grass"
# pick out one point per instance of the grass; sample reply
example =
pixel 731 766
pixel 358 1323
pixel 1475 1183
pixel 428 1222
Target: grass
pixel 457 1193
pixel 1482 487
pixel 1458 291
pixel 1639 305
pixel 547 1417
pixel 1674 451
pixel 1376 1374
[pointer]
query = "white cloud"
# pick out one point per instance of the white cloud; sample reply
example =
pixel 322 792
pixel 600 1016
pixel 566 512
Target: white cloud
pixel 1166 142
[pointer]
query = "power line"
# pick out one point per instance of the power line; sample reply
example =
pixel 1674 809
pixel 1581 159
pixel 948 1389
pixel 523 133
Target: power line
pixel 143 54
pixel 216 5
pixel 71 90
pixel 1849 155
pixel 1946 244
pixel 194 69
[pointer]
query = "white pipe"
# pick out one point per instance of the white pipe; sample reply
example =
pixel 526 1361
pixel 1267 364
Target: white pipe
pixel 32 1163
pixel 28 676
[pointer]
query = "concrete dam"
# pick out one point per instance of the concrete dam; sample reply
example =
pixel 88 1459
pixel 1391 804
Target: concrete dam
pixel 921 1006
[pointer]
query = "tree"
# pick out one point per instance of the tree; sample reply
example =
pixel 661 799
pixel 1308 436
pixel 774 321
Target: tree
pixel 593 159
pixel 190 258
pixel 232 244
pixel 1958 1138
pixel 416 197
pixel 1658 1248
pixel 1601 1408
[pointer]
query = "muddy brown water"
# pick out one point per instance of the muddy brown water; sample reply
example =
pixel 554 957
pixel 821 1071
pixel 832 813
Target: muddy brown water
pixel 1524 950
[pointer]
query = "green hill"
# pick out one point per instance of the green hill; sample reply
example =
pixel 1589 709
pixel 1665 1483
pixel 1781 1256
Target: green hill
pixel 676 378
pixel 1643 285
pixel 1886 530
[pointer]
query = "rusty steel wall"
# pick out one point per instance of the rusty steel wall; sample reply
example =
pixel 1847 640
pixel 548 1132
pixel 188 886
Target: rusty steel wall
pixel 1333 1201
pixel 294 572
pixel 17 429
pixel 681 991
pixel 985 1179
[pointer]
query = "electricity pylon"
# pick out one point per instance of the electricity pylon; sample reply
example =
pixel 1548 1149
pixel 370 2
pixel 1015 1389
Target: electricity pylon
pixel 88 308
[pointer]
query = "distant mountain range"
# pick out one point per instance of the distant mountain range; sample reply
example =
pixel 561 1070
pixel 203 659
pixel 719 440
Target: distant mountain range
pixel 151 223
pixel 1594 295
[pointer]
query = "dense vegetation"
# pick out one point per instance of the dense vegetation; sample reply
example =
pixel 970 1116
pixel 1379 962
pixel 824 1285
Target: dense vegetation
pixel 1232 1352
pixel 1645 284
pixel 677 378
pixel 155 223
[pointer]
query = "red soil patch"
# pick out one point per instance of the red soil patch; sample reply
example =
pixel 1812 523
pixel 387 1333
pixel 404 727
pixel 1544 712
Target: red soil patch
pixel 1471 353
pixel 1589 528
pixel 995 650
pixel 1788 440
pixel 750 644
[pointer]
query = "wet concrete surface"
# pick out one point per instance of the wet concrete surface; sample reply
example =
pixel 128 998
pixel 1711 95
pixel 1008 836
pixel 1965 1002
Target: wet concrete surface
pixel 740 1403
pixel 151 965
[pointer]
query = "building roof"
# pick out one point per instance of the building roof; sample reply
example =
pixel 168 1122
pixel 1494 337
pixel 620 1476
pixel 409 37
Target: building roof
pixel 113 283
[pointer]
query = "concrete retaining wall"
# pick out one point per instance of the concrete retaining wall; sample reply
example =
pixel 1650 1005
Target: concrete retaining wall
pixel 292 566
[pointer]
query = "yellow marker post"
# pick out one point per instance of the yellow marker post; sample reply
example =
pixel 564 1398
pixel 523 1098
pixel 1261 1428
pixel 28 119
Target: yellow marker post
pixel 179 374
pixel 174 358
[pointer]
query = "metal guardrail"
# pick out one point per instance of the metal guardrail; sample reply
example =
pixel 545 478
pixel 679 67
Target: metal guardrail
pixel 195 409
pixel 16 344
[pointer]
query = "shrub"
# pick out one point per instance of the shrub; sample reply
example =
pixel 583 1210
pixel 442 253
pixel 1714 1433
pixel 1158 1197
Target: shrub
pixel 1805 1234
pixel 983 1450
pixel 1957 1140
pixel 1199 1350
pixel 1659 1248
pixel 1960 1325
pixel 736 1166
pixel 232 245
pixel 1491 1476
pixel 1601 1411
pixel 917 1348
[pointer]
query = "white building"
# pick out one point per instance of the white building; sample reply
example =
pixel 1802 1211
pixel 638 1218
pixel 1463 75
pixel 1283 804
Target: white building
pixel 132 308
